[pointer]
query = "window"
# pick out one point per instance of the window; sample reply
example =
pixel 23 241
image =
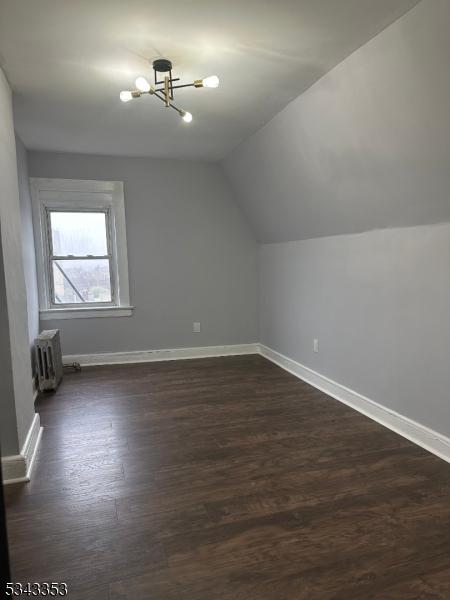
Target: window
pixel 80 257
pixel 81 248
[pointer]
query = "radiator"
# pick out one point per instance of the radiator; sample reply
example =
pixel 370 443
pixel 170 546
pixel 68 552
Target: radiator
pixel 48 359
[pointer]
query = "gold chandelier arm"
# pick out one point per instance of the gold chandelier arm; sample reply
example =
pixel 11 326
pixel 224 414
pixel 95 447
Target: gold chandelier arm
pixel 167 91
pixel 170 105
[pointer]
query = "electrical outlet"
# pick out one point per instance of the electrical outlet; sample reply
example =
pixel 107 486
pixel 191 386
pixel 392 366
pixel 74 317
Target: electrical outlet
pixel 196 327
pixel 316 345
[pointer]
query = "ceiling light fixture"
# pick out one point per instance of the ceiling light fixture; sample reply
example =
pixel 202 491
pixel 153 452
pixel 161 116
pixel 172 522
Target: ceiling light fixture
pixel 165 92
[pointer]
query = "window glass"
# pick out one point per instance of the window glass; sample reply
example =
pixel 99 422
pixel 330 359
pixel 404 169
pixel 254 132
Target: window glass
pixel 79 281
pixel 78 233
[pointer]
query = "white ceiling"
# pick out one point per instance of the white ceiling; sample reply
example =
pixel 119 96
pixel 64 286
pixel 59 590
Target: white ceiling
pixel 67 61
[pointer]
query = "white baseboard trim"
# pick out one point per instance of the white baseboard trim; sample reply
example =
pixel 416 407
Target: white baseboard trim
pixel 17 468
pixel 432 441
pixel 117 358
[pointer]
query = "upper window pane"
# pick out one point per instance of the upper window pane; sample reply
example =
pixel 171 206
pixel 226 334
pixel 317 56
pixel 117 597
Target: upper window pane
pixel 78 233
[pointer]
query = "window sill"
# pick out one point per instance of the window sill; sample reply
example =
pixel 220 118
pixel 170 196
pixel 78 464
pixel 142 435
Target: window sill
pixel 86 313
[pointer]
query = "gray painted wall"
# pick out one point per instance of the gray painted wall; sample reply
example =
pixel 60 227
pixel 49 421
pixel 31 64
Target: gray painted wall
pixel 191 256
pixel 366 147
pixel 14 277
pixel 29 256
pixel 378 302
pixel 8 428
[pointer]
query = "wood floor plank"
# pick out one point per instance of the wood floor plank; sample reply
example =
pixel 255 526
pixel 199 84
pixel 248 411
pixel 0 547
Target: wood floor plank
pixel 225 479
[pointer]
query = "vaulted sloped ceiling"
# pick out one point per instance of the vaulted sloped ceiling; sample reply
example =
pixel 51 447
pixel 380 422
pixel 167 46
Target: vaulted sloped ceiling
pixel 366 147
pixel 67 61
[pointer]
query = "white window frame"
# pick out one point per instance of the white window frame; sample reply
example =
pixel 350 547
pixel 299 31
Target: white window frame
pixel 76 195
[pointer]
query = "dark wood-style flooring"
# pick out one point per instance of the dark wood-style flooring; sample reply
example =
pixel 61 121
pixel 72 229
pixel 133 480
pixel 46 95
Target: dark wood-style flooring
pixel 226 479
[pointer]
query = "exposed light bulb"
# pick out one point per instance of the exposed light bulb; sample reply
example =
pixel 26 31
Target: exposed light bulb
pixel 211 82
pixel 186 116
pixel 126 96
pixel 142 84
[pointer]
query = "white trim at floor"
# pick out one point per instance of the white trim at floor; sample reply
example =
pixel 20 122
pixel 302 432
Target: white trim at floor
pixel 432 441
pixel 115 358
pixel 17 468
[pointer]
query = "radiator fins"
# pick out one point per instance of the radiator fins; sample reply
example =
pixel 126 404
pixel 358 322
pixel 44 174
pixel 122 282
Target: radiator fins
pixel 48 359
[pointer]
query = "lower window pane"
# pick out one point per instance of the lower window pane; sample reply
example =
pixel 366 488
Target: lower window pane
pixel 79 281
